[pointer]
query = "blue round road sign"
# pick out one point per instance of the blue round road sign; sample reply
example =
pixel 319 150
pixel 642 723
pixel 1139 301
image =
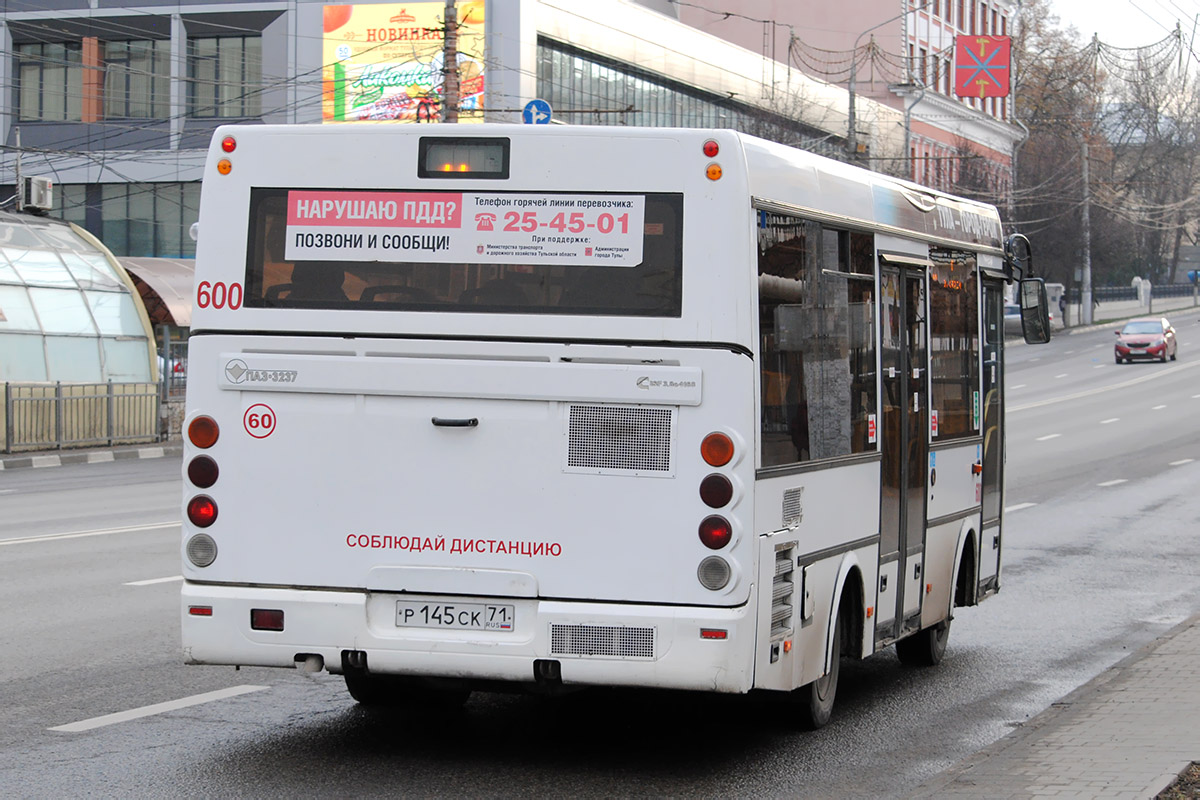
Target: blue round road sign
pixel 537 112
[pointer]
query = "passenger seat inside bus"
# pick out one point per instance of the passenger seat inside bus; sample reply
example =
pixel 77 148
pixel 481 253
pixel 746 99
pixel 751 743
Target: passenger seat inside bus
pixel 312 280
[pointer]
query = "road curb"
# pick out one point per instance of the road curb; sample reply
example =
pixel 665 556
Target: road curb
pixel 98 456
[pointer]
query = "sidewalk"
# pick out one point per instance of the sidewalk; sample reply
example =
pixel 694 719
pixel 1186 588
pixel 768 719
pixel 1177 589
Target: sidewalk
pixel 95 455
pixel 1128 733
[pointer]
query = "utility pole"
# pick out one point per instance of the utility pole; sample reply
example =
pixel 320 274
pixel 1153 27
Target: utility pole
pixel 450 65
pixel 20 183
pixel 1085 298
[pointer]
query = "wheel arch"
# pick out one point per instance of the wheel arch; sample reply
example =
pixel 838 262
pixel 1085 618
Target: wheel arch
pixel 849 587
pixel 965 578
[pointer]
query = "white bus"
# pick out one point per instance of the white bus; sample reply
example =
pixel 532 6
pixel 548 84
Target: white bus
pixel 547 407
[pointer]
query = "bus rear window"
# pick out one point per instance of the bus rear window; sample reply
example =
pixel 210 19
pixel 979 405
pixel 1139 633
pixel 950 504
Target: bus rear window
pixel 478 252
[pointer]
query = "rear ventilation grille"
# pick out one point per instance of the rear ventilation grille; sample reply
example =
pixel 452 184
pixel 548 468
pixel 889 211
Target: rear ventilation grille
pixel 601 641
pixel 617 439
pixel 782 592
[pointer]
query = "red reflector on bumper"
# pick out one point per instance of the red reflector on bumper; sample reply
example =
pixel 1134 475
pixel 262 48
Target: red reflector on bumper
pixel 266 619
pixel 713 633
pixel 200 611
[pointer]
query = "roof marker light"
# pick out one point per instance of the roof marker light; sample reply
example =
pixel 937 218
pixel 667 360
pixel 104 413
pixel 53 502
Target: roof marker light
pixel 713 173
pixel 711 148
pixel 229 144
pixel 224 166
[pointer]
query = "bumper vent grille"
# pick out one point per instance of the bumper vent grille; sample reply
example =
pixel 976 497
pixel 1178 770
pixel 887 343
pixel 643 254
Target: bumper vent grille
pixel 618 439
pixel 603 641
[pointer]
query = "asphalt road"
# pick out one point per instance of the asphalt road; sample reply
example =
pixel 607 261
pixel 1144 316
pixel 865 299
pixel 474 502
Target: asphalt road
pixel 1100 556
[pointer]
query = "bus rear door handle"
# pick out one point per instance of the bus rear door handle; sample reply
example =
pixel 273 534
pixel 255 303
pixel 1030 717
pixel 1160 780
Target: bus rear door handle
pixel 470 422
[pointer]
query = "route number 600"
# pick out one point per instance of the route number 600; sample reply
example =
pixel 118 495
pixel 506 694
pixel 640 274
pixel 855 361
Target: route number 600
pixel 219 295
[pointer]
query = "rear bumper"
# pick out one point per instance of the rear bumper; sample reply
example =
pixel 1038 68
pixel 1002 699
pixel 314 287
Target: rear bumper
pixel 328 623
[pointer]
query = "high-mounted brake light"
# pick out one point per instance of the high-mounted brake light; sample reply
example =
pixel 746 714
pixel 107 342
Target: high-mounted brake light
pixel 202 511
pixel 715 532
pixel 716 449
pixel 711 148
pixel 229 144
pixel 203 432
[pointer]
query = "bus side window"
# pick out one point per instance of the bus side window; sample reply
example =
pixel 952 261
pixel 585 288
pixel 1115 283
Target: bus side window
pixel 817 337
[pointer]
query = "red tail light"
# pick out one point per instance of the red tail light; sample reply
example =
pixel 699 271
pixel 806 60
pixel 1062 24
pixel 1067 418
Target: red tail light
pixel 716 491
pixel 266 619
pixel 203 472
pixel 202 511
pixel 715 532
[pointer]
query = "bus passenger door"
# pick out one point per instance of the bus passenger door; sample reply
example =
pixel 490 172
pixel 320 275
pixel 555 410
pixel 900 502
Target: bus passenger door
pixel 993 436
pixel 904 449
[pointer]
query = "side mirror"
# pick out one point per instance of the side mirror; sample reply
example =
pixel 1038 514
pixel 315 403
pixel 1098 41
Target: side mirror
pixel 1035 311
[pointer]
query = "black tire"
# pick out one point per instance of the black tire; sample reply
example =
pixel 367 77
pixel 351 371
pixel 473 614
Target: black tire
pixel 816 699
pixel 396 691
pixel 925 648
pixel 1174 354
pixel 1117 359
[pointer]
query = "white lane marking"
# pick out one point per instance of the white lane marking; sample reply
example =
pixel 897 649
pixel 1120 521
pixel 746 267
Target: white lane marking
pixel 1022 386
pixel 157 708
pixel 1063 375
pixel 1048 437
pixel 1068 352
pixel 1158 408
pixel 1150 376
pixel 1100 366
pixel 153 581
pixel 50 537
pixel 1181 462
pixel 1113 483
pixel 1018 507
pixel 1195 396
pixel 1109 420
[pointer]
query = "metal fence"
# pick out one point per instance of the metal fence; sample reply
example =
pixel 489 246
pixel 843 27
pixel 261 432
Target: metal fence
pixel 46 416
pixel 172 368
pixel 1112 294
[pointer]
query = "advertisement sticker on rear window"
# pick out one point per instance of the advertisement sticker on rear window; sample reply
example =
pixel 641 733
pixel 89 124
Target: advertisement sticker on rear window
pixel 465 227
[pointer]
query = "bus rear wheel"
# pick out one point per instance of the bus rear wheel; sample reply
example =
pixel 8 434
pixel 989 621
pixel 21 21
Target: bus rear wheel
pixel 925 648
pixel 815 700
pixel 399 691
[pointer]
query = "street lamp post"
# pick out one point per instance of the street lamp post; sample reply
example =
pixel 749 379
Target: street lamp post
pixel 851 133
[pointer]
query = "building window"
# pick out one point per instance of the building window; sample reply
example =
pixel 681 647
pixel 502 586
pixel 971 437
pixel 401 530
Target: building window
pixel 148 219
pixel 587 89
pixel 137 79
pixel 960 18
pixel 50 76
pixel 225 75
